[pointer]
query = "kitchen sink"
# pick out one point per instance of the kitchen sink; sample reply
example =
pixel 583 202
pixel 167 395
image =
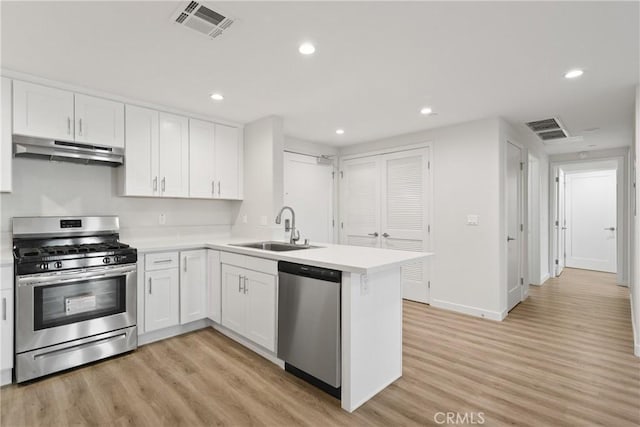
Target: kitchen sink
pixel 274 246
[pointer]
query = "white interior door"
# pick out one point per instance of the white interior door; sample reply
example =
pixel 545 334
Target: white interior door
pixel 514 221
pixel 591 220
pixel 561 222
pixel 405 212
pixel 308 189
pixel 360 202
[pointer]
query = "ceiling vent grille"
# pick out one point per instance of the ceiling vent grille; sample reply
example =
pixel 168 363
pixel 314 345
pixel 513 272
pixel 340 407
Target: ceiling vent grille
pixel 549 130
pixel 202 19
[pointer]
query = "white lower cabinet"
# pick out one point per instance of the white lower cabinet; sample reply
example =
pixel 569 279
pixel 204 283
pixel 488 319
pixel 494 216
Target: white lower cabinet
pixel 215 293
pixel 193 285
pixel 6 329
pixel 249 304
pixel 162 299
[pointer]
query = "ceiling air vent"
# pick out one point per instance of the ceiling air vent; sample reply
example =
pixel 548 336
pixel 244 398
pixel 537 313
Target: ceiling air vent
pixel 549 130
pixel 202 19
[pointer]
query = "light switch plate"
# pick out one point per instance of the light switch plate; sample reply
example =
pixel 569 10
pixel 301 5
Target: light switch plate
pixel 473 220
pixel 162 219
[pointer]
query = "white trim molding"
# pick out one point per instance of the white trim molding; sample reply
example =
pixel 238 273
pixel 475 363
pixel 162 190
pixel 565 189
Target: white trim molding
pixel 467 309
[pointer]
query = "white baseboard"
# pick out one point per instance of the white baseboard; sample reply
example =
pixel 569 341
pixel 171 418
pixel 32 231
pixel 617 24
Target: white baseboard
pixel 153 336
pixel 636 341
pixel 466 309
pixel 544 279
pixel 6 376
pixel 270 356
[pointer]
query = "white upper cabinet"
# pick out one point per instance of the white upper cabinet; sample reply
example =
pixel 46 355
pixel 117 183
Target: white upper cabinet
pixel 99 121
pixel 201 155
pixel 5 137
pixel 141 152
pixel 42 111
pixel 227 161
pixel 45 112
pixel 174 155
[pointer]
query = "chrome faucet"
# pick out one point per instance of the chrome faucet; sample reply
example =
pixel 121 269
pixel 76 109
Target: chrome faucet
pixel 295 234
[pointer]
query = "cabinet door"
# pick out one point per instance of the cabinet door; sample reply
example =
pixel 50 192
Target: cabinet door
pixel 261 308
pixel 174 155
pixel 99 121
pixel 233 299
pixel 405 215
pixel 5 136
pixel 214 295
pixel 6 329
pixel 162 299
pixel 193 285
pixel 360 194
pixel 227 162
pixel 42 111
pixel 201 155
pixel 141 152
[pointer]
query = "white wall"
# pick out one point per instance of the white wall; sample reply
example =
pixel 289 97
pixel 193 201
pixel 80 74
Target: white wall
pixel 263 180
pixel 41 187
pixel 466 179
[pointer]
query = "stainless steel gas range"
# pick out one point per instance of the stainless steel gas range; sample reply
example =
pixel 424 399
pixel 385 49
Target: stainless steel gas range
pixel 75 287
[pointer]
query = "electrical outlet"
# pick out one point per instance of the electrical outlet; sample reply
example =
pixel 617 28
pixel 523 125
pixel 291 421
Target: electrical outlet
pixel 162 219
pixel 473 220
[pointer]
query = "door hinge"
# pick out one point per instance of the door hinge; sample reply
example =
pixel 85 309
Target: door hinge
pixel 429 284
pixel 557 262
pixel 333 223
pixel 429 228
pixel 557 179
pixel 557 223
pixel 342 225
pixel 522 281
pixel 429 165
pixel 333 175
pixel 521 165
pixel 341 174
pixel 521 227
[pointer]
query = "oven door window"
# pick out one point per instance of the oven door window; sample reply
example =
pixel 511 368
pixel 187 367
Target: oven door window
pixel 57 305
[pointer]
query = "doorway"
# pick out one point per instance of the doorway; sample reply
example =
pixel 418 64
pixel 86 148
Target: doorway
pixel 515 225
pixel 309 190
pixel 587 224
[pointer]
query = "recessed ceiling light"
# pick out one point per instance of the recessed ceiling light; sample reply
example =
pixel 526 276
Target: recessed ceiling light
pixel 306 48
pixel 426 111
pixel 217 97
pixel 572 74
pixel 340 131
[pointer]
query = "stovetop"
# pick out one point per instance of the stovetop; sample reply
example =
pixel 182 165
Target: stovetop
pixel 51 252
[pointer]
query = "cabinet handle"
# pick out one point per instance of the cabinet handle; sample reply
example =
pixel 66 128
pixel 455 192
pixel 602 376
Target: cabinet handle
pixel 155 184
pixel 80 126
pixel 239 283
pixel 162 261
pixel 385 234
pixel 244 284
pixel 68 125
pixel 213 187
pixel 375 234
pixel 185 264
pixel 218 188
pixel 163 183
pixel 150 286
pixel 4 308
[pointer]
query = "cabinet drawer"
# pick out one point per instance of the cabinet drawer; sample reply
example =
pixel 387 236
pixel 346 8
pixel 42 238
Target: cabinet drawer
pixel 161 260
pixel 252 263
pixel 6 276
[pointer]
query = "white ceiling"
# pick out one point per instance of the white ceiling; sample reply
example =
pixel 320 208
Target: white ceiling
pixel 376 63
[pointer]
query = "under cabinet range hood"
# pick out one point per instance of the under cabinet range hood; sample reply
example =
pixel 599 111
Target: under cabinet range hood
pixel 42 148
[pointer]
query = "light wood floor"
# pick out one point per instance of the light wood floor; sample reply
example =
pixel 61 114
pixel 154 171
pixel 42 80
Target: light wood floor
pixel 563 357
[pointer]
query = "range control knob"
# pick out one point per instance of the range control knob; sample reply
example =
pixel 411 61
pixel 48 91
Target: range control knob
pixel 58 264
pixel 116 258
pixel 44 266
pixel 106 260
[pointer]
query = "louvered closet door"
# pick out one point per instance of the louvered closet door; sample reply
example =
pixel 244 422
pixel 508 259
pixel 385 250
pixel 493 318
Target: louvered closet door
pixel 361 202
pixel 405 214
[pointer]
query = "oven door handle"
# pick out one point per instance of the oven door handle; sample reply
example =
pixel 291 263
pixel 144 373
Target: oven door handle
pixel 54 279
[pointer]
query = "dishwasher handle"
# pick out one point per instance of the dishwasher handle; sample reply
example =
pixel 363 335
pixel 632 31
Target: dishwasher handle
pixel 312 272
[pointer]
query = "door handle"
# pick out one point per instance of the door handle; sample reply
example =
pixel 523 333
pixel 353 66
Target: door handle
pixel 509 238
pixel 150 286
pixel 564 228
pixel 610 229
pixel 386 235
pixel 373 234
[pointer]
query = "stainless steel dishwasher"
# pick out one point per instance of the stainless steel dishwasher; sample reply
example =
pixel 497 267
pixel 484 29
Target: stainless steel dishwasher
pixel 309 324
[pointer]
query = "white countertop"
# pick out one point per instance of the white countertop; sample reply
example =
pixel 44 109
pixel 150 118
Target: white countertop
pixel 354 259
